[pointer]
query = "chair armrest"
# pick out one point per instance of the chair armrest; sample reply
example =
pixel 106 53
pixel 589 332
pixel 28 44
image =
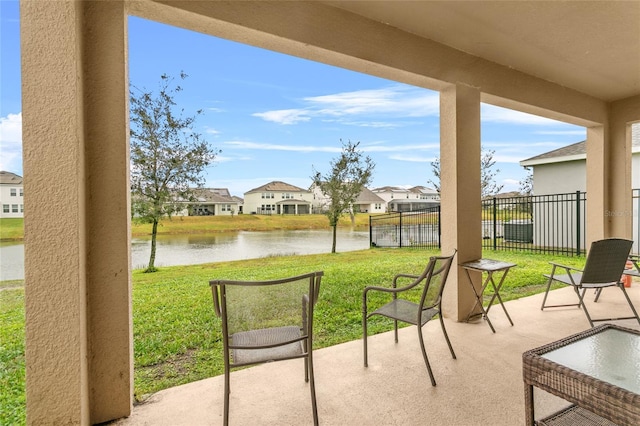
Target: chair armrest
pixel 565 267
pixel 216 298
pixel 395 279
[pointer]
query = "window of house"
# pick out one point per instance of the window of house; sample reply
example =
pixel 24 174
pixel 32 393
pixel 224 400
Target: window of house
pixel 21 192
pixel 5 208
pixel 13 192
pixel 21 208
pixel 14 208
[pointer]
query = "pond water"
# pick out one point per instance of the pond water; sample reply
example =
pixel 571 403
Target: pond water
pixel 195 249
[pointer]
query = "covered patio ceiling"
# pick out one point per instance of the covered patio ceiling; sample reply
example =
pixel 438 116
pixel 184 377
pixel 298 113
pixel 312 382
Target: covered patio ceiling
pixel 589 46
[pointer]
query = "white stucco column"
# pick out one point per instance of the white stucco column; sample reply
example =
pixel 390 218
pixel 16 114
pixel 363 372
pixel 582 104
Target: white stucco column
pixel 460 191
pixel 609 204
pixel 77 272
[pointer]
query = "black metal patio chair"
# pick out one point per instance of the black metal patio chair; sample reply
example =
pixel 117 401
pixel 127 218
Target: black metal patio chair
pixel 603 268
pixel 264 321
pixel 430 283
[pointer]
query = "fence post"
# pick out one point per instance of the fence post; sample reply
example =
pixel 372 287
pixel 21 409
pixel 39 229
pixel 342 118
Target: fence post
pixel 495 224
pixel 370 232
pixel 578 229
pixel 439 227
pixel 400 231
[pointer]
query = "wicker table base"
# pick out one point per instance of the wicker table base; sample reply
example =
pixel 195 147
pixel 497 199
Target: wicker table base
pixel 574 416
pixel 597 370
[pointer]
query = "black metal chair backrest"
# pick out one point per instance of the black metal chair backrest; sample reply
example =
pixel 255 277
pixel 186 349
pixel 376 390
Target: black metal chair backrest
pixel 264 321
pixel 435 276
pixel 606 261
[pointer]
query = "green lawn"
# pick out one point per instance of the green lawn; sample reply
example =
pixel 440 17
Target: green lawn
pixel 177 337
pixel 11 229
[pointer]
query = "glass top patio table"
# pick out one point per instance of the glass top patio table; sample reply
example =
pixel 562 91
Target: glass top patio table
pixel 598 370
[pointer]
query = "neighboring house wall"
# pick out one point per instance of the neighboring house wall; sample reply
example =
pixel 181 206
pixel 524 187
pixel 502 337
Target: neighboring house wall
pixel 560 178
pixel 11 195
pixel 278 198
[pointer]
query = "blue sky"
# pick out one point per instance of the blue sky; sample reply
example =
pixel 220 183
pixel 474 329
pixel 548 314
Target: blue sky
pixel 276 117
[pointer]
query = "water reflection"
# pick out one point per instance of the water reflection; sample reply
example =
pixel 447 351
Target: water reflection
pixel 196 249
pixel 204 248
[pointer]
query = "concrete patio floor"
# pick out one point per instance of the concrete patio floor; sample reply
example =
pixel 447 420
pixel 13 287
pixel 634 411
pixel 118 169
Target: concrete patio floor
pixel 483 386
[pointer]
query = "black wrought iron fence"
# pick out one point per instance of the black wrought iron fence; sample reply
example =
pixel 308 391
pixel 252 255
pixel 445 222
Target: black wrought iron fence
pixel 544 223
pixel 553 223
pixel 406 229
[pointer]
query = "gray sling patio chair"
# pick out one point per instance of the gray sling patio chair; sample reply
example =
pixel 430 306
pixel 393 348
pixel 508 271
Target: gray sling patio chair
pixel 427 288
pixel 603 268
pixel 264 321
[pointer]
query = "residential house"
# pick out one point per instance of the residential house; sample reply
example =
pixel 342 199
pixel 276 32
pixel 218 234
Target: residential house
pixel 214 201
pixel 278 198
pixel 11 195
pixel 564 170
pixel 400 199
pixel 366 202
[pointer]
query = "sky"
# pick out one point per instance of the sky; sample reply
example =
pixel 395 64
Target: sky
pixel 278 117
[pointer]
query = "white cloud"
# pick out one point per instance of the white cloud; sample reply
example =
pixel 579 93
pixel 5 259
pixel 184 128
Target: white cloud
pixel 284 116
pixel 277 147
pixel 578 132
pixel 391 102
pixel 412 158
pixel 11 143
pixel 374 147
pixel 400 148
pixel 404 101
pixel 211 131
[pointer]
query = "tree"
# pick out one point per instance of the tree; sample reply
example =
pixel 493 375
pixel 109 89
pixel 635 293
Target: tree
pixel 167 156
pixel 349 173
pixel 526 185
pixel 488 185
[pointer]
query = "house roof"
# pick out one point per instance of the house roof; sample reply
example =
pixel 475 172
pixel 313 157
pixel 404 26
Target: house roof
pixel 367 196
pixel 277 186
pixel 214 195
pixel 9 178
pixel 576 151
pixel 422 190
pixel 391 189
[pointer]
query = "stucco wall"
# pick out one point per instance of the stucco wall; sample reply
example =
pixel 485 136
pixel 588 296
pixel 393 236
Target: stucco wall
pixel 560 178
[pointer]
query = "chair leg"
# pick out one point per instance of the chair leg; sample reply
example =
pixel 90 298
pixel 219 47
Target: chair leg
pixel 312 386
pixel 635 313
pixel 546 293
pixel 227 391
pixel 395 330
pixel 424 355
pixel 364 337
pixel 598 291
pixel 306 361
pixel 446 336
pixel 582 304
